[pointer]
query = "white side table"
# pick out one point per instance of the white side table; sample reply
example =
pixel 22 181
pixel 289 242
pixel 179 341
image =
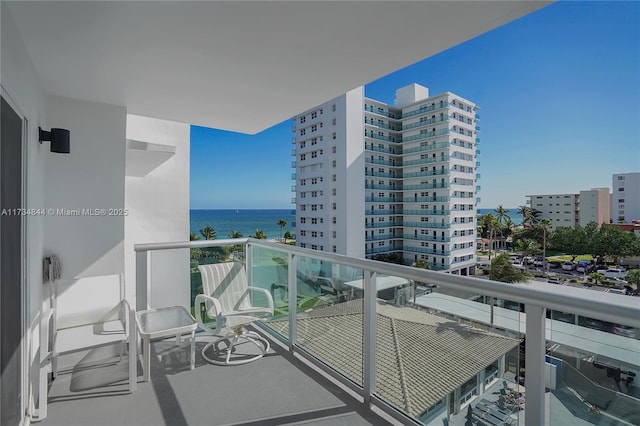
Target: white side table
pixel 164 322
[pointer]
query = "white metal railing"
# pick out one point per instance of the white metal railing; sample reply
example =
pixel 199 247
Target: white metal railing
pixel 535 300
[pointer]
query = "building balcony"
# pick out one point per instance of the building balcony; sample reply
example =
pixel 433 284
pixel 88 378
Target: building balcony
pixel 426 212
pixel 377 250
pixel 425 122
pixel 385 212
pixel 425 148
pixel 555 352
pixel 416 199
pixel 426 173
pixel 384 175
pixel 383 113
pixel 379 237
pixel 381 199
pixel 425 186
pixel 425 109
pixel 384 138
pixel 421 237
pixel 438 159
pixel 369 185
pixel 425 250
pixel 386 224
pixel 384 162
pixel 372 147
pixel 426 135
pixel 383 125
pixel 426 225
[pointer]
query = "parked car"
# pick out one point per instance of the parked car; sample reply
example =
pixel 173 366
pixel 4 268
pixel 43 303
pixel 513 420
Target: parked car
pixel 568 266
pixel 584 266
pixel 538 261
pixel 555 264
pixel 553 280
pixel 618 290
pixel 613 273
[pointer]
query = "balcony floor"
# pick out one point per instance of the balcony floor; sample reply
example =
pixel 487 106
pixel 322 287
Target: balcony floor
pixel 275 390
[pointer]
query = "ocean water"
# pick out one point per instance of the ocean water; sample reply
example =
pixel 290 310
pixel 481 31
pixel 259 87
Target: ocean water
pixel 244 221
pixel 513 214
pixel 247 221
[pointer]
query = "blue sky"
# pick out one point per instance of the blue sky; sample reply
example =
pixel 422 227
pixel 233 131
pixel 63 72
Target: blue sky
pixel 559 97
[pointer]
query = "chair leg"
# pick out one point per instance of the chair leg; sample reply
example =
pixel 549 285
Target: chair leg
pixel 54 366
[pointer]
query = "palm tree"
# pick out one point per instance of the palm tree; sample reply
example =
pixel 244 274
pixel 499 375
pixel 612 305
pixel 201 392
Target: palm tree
pixel 544 224
pixel 208 233
pixel 524 212
pixel 529 215
pixel 507 226
pixel 281 223
pixel 287 236
pixel 260 235
pixel 494 225
pixel 502 214
pixel 193 237
pixel 235 234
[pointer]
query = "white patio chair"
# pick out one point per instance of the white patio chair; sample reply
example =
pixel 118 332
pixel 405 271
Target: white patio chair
pixel 86 314
pixel 227 299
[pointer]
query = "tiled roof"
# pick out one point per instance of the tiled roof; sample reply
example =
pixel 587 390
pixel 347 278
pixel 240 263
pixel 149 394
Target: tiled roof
pixel 420 358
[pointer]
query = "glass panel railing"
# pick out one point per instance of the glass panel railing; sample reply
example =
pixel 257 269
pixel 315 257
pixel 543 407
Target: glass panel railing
pixel 592 369
pixel 442 359
pixel 329 319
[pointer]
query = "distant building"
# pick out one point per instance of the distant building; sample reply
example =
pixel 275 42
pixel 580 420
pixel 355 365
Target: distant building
pixel 594 206
pixel 560 209
pixel 373 178
pixel 625 197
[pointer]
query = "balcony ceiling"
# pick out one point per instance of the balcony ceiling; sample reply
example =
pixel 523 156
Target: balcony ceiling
pixel 241 66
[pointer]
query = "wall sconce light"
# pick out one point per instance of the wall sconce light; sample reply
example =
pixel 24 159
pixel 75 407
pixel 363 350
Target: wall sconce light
pixel 59 139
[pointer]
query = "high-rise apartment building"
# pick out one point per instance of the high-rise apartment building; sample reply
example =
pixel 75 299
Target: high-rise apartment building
pixel 594 206
pixel 560 209
pixel 625 197
pixel 374 178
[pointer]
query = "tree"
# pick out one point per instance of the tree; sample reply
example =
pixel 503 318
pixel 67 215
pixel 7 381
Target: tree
pixel 596 277
pixel 494 226
pixel 507 227
pixel 633 277
pixel 193 237
pixel 529 215
pixel 235 234
pixel 208 233
pixel 502 215
pixel 281 223
pixel 544 224
pixel 260 235
pixel 502 270
pixel 287 236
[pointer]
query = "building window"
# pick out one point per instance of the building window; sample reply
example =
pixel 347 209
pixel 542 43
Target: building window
pixel 314 128
pixel 333 178
pixel 620 177
pixel 314 154
pixel 314 234
pixel 333 121
pixel 333 149
pixel 303 132
pixel 333 163
pixel 303 233
pixel 314 115
pixel 620 189
pixel 333 220
pixel 333 107
pixel 334 206
pixel 303 220
pixel 303 157
pixel 333 135
pixel 314 220
pixel 314 247
pixel 314 207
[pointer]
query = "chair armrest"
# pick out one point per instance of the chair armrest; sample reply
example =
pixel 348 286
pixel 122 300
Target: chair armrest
pixel 210 303
pixel 47 336
pixel 127 317
pixel 266 293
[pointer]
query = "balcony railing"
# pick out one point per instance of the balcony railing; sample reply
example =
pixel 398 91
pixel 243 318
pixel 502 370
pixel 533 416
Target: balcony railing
pixel 429 147
pixel 438 159
pixel 427 225
pixel 459 339
pixel 431 238
pixel 425 109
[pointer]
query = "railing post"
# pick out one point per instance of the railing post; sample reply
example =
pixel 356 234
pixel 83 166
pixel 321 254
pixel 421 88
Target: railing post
pixel 534 363
pixel 248 261
pixel 369 338
pixel 143 298
pixel 292 288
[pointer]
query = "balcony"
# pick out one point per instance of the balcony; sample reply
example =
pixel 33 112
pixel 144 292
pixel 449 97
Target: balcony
pixel 426 186
pixel 426 109
pixel 425 122
pixel 416 199
pixel 429 147
pixel 439 159
pixel 425 250
pixel 427 225
pixel 426 212
pixel 426 135
pixel 383 224
pixel 336 351
pixel 440 172
pixel 383 212
pixel 421 237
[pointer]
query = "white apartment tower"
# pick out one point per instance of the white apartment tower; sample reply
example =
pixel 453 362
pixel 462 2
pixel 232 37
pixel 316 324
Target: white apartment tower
pixel 594 206
pixel 374 178
pixel 625 197
pixel 560 209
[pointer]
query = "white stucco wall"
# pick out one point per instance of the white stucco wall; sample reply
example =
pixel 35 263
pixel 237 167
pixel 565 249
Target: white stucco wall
pixel 158 206
pixel 90 177
pixel 21 85
pixel 350 170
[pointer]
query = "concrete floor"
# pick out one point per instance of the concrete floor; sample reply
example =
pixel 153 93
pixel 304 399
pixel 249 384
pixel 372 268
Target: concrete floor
pixel 278 389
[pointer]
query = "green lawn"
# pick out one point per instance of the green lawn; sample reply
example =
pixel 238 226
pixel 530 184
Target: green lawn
pixel 566 257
